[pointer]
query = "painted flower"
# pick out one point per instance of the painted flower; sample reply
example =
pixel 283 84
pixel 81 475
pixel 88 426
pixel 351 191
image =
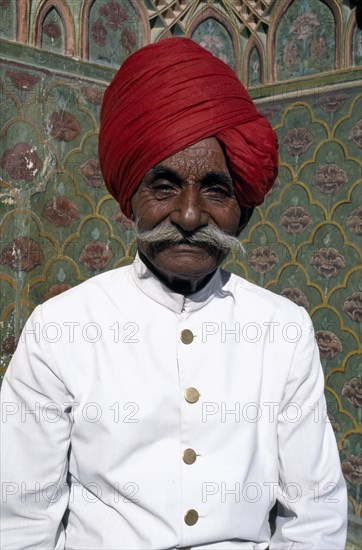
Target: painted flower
pixel 263 259
pixel 295 220
pixel 329 178
pixel 270 111
pixel 95 256
pixel 123 221
pixel 128 39
pixel 295 295
pixel 328 343
pixel 22 81
pixel 56 289
pixel 113 12
pixel 94 95
pixel 4 4
pixel 336 427
pixel 22 162
pixel 298 141
pixel 290 53
pixel 63 126
pixel 353 306
pixel 9 345
pixel 318 47
pixel 22 254
pixel 354 220
pixel 328 262
pixel 304 25
pixel 52 30
pixel 215 45
pixel 331 103
pixel 353 391
pixel 352 469
pixel 61 212
pixel 99 32
pixel 92 174
pixel 356 134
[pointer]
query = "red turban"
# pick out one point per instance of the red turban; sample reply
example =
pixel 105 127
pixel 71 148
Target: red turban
pixel 170 95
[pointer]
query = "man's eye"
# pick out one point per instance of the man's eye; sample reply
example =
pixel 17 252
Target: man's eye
pixel 163 188
pixel 217 190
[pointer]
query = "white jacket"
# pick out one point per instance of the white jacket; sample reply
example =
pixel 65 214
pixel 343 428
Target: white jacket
pixel 149 437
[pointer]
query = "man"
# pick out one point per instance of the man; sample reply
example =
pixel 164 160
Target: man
pixel 173 403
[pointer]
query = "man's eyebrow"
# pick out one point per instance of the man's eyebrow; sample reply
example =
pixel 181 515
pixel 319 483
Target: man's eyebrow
pixel 161 171
pixel 219 177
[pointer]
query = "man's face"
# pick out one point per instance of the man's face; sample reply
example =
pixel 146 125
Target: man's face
pixel 190 190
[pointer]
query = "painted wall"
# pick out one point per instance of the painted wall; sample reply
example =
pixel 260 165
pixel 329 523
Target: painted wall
pixel 301 61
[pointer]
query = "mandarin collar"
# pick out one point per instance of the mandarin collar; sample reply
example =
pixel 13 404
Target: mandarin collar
pixel 149 284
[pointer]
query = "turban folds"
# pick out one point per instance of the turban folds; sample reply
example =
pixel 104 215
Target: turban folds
pixel 170 95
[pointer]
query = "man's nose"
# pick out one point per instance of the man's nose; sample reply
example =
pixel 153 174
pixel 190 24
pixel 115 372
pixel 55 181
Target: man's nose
pixel 189 214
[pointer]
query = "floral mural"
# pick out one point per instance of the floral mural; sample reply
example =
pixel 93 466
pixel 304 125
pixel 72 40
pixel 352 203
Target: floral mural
pixel 213 36
pixel 53 32
pixel 114 31
pixel 305 40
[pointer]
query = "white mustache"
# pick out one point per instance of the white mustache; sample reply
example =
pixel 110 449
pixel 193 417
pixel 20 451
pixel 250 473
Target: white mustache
pixel 209 235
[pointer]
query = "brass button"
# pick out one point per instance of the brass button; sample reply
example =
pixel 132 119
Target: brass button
pixel 189 456
pixel 191 517
pixel 186 336
pixel 191 395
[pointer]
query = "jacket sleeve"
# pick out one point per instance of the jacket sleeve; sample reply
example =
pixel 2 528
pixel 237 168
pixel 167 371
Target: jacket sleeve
pixel 312 498
pixel 35 433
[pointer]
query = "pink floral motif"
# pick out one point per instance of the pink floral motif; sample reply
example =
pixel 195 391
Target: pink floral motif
pixel 63 126
pixel 354 220
pixel 328 343
pixel 95 256
pixel 262 259
pixel 9 345
pixel 4 4
pixel 295 220
pixel 123 221
pixel 52 30
pixel 331 103
pixel 21 162
pixel 295 295
pixel 92 174
pixel 353 306
pixel 99 32
pixel 298 141
pixel 56 289
pixel 215 45
pixel 94 95
pixel 22 254
pixel 290 53
pixel 22 81
pixel 113 12
pixel 128 39
pixel 356 134
pixel 61 212
pixel 318 47
pixel 304 25
pixel 328 262
pixel 352 469
pixel 270 111
pixel 329 178
pixel 353 391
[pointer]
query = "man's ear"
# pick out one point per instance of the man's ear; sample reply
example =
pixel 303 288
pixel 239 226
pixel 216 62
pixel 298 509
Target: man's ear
pixel 245 216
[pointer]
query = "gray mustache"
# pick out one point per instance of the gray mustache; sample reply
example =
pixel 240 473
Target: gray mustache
pixel 210 235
